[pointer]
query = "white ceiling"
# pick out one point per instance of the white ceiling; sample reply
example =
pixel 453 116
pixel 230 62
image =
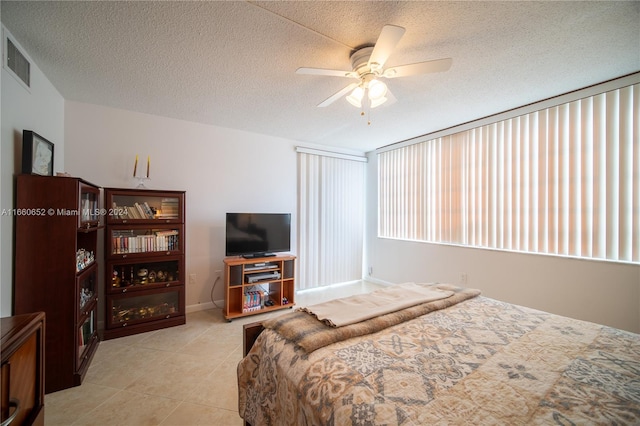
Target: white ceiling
pixel 232 63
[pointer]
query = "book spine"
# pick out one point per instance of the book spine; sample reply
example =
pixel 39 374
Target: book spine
pixel 140 211
pixel 147 210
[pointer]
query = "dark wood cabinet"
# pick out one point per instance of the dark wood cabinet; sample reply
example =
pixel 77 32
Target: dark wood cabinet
pixel 144 250
pixel 57 220
pixel 22 348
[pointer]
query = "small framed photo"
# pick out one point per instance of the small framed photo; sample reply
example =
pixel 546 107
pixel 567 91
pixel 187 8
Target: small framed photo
pixel 37 154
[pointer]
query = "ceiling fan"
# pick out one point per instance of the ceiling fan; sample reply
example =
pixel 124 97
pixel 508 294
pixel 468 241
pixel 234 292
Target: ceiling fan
pixel 367 65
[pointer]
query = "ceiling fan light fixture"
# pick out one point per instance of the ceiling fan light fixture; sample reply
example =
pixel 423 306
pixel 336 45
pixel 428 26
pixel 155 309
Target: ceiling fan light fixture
pixel 378 102
pixel 377 89
pixel 367 66
pixel 355 98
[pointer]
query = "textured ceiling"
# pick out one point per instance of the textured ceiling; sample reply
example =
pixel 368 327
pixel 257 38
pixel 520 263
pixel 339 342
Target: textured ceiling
pixel 232 64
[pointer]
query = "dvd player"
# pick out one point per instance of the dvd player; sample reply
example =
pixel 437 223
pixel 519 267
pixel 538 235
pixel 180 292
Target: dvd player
pixel 260 266
pixel 262 277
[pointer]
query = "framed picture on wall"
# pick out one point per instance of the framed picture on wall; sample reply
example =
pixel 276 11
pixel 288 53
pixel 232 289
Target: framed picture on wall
pixel 37 154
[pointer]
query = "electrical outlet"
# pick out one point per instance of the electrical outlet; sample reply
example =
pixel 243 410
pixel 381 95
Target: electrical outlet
pixel 370 270
pixel 463 277
pixel 217 274
pixel 192 278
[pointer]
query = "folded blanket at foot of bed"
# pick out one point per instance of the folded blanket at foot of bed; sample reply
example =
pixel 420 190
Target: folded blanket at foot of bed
pixel 360 307
pixel 309 333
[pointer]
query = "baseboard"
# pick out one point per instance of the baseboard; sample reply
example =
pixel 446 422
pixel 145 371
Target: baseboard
pixel 210 305
pixel 204 306
pixel 377 281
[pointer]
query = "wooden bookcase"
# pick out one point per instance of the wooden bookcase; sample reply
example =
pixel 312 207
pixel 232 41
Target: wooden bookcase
pixel 145 258
pixel 258 285
pixel 57 220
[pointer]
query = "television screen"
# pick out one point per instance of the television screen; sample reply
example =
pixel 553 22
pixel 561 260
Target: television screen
pixel 257 234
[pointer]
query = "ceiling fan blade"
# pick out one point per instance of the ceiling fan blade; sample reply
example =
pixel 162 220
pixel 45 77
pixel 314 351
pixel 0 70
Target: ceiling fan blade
pixel 322 71
pixel 337 95
pixel 438 65
pixel 387 41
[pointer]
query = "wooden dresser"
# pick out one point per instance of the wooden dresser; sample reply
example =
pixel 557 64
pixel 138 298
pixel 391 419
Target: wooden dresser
pixel 22 347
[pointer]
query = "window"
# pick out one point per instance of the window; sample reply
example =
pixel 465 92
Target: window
pixel 564 180
pixel 331 218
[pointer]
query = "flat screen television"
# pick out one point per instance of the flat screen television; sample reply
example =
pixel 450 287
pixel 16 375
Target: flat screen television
pixel 257 234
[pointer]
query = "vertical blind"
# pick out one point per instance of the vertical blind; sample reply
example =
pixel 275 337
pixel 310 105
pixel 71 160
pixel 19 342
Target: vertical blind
pixel 331 220
pixel 564 180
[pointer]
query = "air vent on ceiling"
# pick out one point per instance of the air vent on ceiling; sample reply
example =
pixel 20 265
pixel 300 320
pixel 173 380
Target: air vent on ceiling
pixel 18 63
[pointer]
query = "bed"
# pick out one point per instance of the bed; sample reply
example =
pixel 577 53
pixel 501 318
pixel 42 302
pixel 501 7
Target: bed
pixel 464 359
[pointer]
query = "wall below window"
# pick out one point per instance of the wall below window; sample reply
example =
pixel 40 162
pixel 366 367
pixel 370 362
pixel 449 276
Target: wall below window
pixel 602 292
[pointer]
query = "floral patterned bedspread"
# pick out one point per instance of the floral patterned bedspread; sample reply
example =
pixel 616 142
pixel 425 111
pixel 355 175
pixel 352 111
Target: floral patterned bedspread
pixel 481 361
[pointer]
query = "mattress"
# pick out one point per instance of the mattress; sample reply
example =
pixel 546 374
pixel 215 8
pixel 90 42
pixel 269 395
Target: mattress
pixel 479 361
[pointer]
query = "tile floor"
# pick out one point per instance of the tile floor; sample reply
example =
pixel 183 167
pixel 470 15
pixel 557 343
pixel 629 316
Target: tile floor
pixel 183 375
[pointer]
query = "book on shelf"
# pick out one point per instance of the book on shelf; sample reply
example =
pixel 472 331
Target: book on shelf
pixel 168 208
pixel 123 212
pixel 140 211
pixel 149 211
pixel 144 211
pixel 136 211
pixel 115 212
pixel 127 241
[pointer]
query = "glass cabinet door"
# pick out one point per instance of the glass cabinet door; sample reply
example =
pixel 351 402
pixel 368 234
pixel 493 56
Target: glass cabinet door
pixel 86 244
pixel 129 309
pixel 89 208
pixel 86 333
pixel 144 240
pixel 125 206
pixel 144 274
pixel 87 289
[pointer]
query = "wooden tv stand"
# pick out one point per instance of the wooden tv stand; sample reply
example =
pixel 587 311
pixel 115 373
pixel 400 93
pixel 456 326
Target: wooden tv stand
pixel 258 285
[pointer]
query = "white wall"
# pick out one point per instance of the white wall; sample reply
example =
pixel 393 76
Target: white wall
pixel 221 170
pixel 602 292
pixel 41 109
